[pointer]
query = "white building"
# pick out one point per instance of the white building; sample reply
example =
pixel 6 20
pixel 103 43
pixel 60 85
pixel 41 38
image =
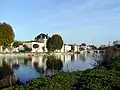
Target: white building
pixel 66 48
pixel 41 46
pixel 40 40
pixel 76 48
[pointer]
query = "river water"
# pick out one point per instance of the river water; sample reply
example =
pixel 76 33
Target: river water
pixel 25 69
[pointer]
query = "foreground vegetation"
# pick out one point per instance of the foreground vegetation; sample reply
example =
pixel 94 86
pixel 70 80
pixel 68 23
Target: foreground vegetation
pixel 97 79
pixel 106 76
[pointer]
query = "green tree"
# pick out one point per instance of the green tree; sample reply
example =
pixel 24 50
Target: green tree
pixel 6 35
pixel 72 48
pixel 54 43
pixel 16 44
pixel 49 45
pixel 26 48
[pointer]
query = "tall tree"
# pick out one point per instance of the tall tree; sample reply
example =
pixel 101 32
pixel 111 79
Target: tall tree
pixel 49 45
pixel 6 35
pixel 55 42
pixel 72 48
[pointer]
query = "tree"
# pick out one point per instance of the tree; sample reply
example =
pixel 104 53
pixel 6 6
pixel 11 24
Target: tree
pixel 55 42
pixel 93 47
pixel 6 35
pixel 72 48
pixel 17 44
pixel 26 48
pixel 49 45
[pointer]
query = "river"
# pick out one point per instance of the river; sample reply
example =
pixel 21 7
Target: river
pixel 25 69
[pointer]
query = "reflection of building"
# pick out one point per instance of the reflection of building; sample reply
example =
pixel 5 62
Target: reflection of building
pixel 103 46
pixel 1 48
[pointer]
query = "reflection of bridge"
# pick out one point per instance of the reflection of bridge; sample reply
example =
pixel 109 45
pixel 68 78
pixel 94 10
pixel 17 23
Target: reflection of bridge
pixel 29 61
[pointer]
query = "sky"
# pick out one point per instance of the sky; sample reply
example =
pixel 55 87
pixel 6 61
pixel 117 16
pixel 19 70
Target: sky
pixel 77 21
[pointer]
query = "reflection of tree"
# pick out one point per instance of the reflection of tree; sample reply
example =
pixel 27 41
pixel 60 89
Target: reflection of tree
pixel 72 57
pixel 54 63
pixel 72 48
pixel 26 60
pixel 43 48
pixel 5 69
pixel 6 75
pixel 37 68
pixel 82 57
pixel 9 60
pixel 44 58
pixel 16 66
pixel 64 57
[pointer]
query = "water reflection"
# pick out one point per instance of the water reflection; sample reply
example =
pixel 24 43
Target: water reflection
pixel 37 68
pixel 26 68
pixel 6 75
pixel 83 57
pixel 16 66
pixel 54 64
pixel 27 61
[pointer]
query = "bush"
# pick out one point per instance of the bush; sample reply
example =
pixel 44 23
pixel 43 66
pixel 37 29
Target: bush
pixel 93 79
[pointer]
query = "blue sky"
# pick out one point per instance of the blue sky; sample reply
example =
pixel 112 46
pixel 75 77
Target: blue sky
pixel 90 21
